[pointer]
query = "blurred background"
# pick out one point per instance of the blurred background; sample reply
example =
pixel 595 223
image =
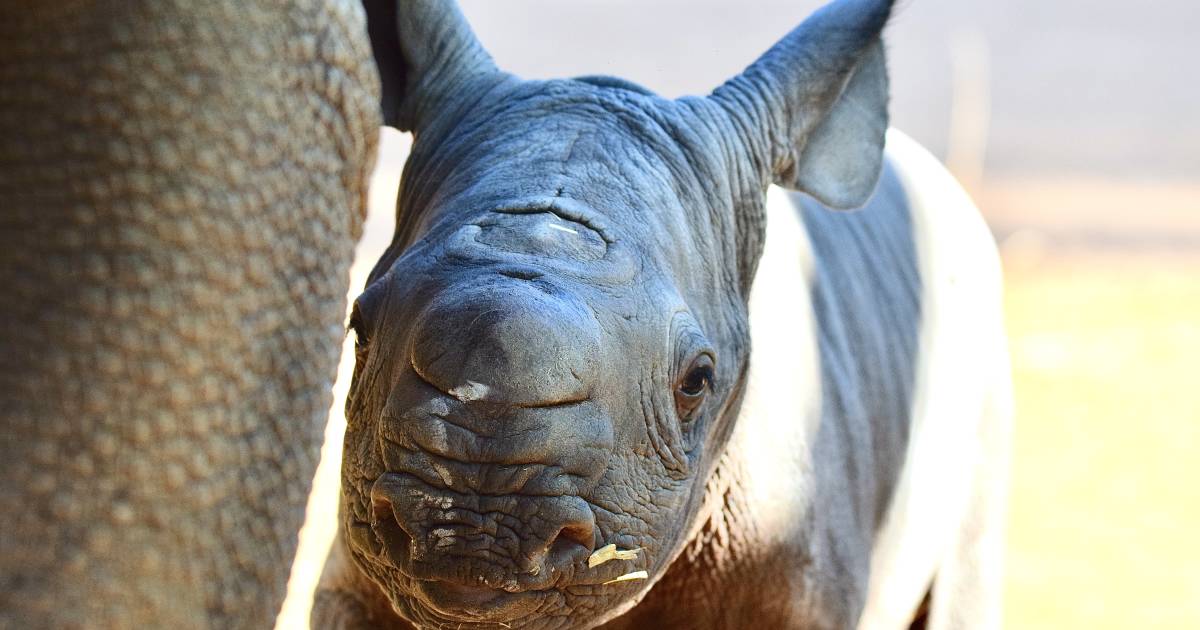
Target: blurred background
pixel 1075 124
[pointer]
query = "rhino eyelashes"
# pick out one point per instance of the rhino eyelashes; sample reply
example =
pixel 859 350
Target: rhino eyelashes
pixel 696 358
pixel 697 380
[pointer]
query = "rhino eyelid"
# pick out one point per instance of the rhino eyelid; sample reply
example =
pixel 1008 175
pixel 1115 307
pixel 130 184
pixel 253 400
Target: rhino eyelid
pixel 705 375
pixel 694 385
pixel 704 367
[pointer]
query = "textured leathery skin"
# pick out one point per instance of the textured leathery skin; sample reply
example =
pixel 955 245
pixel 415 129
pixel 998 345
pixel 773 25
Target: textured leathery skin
pixel 181 187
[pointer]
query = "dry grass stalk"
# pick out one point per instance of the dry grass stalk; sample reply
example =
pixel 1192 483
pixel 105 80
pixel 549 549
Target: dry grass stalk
pixel 636 575
pixel 610 552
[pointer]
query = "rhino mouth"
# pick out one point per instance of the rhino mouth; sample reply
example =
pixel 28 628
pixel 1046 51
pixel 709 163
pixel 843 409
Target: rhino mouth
pixel 462 602
pixel 419 595
pixel 430 565
pixel 511 542
pixel 473 575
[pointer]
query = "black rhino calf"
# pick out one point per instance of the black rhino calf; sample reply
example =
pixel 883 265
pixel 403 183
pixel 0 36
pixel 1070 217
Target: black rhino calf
pixel 555 419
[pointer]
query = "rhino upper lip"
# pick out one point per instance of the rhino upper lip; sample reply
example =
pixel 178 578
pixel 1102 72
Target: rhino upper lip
pixel 396 558
pixel 394 537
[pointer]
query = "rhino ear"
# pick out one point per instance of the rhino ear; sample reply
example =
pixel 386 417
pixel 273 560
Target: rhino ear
pixel 814 107
pixel 426 54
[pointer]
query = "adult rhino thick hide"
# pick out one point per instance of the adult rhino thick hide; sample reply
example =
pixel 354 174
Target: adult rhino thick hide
pixel 181 187
pixel 557 419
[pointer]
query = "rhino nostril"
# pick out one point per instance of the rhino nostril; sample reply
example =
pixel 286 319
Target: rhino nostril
pixel 575 536
pixel 578 533
pixel 381 506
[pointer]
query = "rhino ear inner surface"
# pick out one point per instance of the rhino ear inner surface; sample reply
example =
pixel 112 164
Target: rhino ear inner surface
pixel 815 104
pixel 843 155
pixel 426 52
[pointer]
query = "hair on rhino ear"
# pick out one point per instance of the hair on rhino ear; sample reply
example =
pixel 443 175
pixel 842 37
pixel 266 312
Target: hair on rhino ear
pixel 813 108
pixel 426 53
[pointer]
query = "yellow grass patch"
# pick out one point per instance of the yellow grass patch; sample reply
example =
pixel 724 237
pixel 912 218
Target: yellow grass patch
pixel 1105 520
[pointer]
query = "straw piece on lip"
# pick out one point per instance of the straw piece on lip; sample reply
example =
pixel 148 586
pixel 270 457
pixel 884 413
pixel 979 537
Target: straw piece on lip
pixel 636 575
pixel 610 552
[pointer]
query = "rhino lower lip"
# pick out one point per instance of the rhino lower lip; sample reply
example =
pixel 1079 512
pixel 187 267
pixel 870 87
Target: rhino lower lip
pixel 477 603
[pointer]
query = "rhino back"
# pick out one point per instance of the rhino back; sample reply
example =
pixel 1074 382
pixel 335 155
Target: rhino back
pixel 866 301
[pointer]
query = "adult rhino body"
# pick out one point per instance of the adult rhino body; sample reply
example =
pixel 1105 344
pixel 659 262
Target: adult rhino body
pixel 554 354
pixel 181 187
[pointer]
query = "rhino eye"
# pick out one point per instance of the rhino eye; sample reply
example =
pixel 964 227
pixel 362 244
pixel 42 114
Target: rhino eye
pixel 697 381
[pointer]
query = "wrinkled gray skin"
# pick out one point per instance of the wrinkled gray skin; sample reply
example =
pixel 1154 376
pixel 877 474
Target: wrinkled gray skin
pixel 182 184
pixel 553 351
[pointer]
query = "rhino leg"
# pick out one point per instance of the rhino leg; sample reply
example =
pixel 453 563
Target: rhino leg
pixel 182 185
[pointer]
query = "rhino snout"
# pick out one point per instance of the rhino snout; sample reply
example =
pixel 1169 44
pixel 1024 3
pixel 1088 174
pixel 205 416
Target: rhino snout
pixel 510 340
pixel 512 543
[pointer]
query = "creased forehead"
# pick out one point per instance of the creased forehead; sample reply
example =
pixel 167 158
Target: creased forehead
pixel 649 167
pixel 634 156
pixel 577 129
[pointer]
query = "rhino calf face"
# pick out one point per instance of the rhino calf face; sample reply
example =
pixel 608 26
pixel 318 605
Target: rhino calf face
pixel 551 353
pixel 533 382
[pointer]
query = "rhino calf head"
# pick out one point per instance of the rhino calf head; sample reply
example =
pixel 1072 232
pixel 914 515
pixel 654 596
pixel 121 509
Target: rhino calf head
pixel 552 351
